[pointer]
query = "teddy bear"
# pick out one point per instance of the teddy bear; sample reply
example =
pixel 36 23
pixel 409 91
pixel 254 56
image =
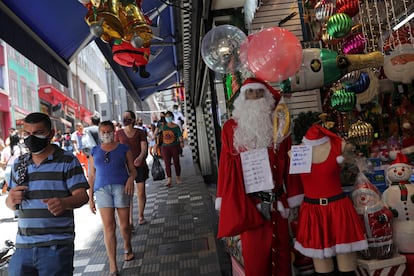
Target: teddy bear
pixel 376 218
pixel 399 197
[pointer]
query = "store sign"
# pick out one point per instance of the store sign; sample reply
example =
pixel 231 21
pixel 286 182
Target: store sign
pixel 70 111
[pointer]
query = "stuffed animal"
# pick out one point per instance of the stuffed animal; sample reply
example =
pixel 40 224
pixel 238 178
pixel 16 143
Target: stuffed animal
pixel 376 218
pixel 399 197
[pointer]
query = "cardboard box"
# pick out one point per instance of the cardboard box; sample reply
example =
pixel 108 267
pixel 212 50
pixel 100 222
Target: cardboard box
pixel 389 267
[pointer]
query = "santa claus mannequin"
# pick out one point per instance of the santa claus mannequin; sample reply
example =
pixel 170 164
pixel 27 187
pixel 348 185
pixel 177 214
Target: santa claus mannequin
pixel 328 224
pixel 266 244
pixel 399 197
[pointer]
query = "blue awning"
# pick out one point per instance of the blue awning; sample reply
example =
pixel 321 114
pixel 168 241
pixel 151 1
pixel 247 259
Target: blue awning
pixel 50 33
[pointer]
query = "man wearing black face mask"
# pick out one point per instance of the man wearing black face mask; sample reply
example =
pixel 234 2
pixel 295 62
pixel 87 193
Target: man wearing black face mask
pixel 46 185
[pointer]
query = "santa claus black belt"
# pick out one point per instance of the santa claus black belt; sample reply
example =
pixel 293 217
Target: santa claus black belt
pixel 324 201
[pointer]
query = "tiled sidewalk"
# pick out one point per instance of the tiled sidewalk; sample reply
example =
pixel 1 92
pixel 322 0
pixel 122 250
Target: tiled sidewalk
pixel 178 238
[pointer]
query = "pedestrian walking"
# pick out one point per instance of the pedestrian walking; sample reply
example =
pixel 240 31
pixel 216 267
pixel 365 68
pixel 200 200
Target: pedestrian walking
pixel 111 178
pixel 46 185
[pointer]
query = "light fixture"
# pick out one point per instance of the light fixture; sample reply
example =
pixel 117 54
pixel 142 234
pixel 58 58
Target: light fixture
pixel 403 22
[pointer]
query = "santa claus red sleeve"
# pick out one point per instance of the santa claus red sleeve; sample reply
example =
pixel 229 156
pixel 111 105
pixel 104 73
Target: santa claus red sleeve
pixel 238 212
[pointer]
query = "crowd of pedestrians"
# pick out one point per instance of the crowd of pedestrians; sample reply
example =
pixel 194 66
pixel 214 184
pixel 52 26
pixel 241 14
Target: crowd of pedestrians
pixel 55 173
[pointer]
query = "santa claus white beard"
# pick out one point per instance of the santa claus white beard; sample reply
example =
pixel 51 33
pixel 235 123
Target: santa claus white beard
pixel 254 122
pixel 399 72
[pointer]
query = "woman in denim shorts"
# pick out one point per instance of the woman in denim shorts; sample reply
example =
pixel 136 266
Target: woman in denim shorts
pixel 111 177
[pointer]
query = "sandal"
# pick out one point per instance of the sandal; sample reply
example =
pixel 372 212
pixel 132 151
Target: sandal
pixel 129 256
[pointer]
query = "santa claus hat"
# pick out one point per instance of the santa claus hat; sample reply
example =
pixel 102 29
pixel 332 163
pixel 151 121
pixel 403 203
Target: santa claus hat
pixel 256 83
pixel 318 135
pixel 366 188
pixel 401 159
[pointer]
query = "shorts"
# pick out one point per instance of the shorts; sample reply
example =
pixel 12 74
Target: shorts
pixel 112 196
pixel 142 174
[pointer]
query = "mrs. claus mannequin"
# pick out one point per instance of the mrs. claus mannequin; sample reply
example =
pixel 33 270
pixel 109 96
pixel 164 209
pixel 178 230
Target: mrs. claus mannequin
pixel 399 197
pixel 248 151
pixel 328 224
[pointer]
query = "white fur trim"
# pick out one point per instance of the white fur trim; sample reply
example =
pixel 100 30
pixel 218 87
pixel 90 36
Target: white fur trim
pixel 282 210
pixel 340 159
pixel 295 201
pixel 315 142
pixel 331 251
pixel 218 203
pixel 253 85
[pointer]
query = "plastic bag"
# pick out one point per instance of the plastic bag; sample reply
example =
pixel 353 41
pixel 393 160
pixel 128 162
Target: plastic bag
pixel 157 170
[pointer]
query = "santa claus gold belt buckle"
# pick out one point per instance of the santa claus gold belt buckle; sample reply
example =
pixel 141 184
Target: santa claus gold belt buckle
pixel 323 201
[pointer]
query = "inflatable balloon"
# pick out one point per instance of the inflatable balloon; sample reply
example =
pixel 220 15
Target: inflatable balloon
pixel 220 48
pixel 274 54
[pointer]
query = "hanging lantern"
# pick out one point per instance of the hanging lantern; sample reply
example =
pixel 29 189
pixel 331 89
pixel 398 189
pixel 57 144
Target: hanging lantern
pixel 339 25
pixel 343 100
pixel 349 7
pixel 324 9
pixel 361 133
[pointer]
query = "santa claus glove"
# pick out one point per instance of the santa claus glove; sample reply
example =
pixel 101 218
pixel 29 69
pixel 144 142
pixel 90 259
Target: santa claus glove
pixel 284 211
pixel 218 203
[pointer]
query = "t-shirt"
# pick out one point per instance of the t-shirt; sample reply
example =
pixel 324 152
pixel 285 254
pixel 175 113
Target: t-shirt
pixel 117 162
pixel 57 176
pixel 170 136
pixel 134 142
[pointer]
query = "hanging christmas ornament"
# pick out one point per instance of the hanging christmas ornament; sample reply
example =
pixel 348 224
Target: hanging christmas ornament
pixel 281 123
pixel 350 77
pixel 361 133
pixel 349 7
pixel 372 91
pixel 324 9
pixel 354 44
pixel 339 25
pixel 220 48
pixel 127 55
pixel 274 54
pixel 328 39
pixel 343 100
pixel 360 85
pixel 136 28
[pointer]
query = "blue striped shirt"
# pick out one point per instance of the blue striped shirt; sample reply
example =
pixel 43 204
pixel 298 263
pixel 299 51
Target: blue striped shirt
pixel 57 176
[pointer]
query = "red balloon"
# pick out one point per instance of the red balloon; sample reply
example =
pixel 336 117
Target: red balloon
pixel 274 54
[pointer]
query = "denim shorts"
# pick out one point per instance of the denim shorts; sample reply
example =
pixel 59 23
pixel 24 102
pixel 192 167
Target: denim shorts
pixel 43 260
pixel 112 196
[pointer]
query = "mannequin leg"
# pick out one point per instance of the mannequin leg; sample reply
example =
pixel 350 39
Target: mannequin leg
pixel 347 262
pixel 323 266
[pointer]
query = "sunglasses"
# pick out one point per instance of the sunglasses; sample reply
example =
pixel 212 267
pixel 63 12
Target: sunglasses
pixel 106 156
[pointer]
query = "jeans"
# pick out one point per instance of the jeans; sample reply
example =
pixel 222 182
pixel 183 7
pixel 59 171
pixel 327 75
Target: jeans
pixel 54 260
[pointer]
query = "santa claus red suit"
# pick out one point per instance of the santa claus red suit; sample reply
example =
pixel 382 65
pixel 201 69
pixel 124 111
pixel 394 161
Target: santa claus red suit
pixel 266 244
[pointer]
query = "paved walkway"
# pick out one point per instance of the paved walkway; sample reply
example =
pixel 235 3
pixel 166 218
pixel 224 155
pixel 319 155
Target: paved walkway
pixel 178 239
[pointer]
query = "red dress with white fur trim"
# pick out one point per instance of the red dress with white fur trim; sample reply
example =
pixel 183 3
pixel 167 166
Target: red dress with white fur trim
pixel 327 230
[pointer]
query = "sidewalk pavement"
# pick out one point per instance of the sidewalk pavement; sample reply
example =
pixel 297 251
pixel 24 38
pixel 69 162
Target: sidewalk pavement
pixel 179 237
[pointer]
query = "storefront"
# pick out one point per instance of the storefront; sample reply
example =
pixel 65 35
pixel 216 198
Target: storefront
pixel 4 115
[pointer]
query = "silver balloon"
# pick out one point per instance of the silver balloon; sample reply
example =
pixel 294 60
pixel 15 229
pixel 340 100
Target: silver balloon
pixel 220 48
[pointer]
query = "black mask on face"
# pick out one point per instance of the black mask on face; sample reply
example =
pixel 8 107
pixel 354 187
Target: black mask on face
pixel 36 144
pixel 127 122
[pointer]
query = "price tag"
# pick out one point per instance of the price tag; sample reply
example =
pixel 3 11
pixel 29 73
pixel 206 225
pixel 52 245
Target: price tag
pixel 300 159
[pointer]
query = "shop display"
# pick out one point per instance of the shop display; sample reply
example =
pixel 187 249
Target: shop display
pixel 399 197
pixel 376 218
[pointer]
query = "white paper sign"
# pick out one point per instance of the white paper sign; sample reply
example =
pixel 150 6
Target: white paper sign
pixel 257 174
pixel 300 159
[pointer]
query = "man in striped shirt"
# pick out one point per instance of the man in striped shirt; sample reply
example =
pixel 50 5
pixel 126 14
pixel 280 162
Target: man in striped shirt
pixel 45 186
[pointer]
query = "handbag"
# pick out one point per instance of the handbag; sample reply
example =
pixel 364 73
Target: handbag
pixel 157 171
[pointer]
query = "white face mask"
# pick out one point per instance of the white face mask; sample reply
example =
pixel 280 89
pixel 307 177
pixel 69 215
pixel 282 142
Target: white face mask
pixel 107 137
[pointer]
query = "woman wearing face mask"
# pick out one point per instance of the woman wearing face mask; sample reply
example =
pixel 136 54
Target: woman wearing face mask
pixel 172 141
pixel 112 191
pixel 136 139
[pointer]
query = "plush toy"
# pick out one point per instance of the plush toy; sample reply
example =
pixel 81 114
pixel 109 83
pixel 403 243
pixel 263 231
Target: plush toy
pixel 399 197
pixel 376 217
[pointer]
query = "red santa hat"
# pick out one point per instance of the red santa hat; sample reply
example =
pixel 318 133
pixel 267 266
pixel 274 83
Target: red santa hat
pixel 401 159
pixel 256 83
pixel 366 187
pixel 318 135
